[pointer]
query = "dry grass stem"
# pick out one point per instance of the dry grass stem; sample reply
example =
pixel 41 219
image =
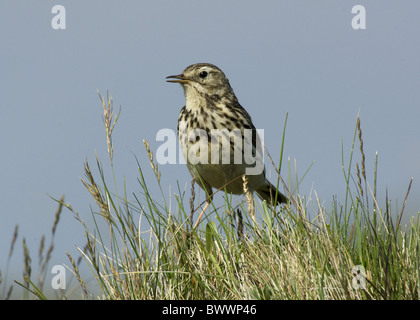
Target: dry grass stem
pixel 109 119
pixel 154 165
pixel 77 274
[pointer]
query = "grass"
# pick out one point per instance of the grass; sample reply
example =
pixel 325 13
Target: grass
pixel 355 250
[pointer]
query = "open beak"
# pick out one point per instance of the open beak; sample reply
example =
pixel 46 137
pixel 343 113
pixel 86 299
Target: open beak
pixel 177 79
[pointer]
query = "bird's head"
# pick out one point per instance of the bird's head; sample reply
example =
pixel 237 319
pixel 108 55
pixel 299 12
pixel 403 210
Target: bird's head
pixel 205 78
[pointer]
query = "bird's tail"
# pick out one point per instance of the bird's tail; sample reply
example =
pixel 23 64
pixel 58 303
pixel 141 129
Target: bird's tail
pixel 268 192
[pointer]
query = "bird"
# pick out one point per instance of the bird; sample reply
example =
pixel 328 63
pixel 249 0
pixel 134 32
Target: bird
pixel 218 138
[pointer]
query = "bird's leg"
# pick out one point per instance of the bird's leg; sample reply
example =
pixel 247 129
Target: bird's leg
pixel 202 213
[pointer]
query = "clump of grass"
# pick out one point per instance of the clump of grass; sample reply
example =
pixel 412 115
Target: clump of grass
pixel 387 251
pixel 355 251
pixel 31 286
pixel 6 293
pixel 149 250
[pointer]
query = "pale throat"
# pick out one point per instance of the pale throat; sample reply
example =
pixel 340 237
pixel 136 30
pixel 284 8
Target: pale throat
pixel 193 99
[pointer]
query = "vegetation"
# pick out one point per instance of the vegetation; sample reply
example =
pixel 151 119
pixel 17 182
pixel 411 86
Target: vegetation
pixel 355 250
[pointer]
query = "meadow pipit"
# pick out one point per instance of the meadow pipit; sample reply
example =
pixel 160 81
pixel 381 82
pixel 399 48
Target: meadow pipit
pixel 211 117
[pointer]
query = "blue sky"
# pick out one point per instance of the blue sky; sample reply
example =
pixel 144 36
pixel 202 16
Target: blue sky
pixel 297 57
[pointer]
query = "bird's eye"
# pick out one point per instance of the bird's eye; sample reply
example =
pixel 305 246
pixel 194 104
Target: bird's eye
pixel 203 74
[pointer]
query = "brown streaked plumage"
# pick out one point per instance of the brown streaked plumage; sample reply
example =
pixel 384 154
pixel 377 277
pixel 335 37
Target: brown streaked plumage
pixel 211 105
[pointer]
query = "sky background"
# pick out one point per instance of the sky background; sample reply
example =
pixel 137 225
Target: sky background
pixel 297 57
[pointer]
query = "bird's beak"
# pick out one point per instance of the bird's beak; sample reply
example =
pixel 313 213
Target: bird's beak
pixel 177 79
